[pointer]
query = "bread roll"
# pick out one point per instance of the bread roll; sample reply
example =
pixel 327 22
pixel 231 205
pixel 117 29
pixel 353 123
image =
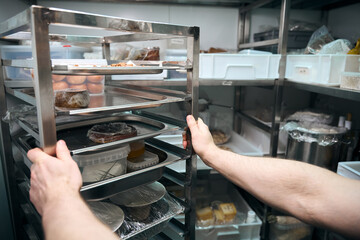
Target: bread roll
pixel 60 85
pixel 57 78
pixel 95 88
pixel 76 79
pixel 78 86
pixel 95 78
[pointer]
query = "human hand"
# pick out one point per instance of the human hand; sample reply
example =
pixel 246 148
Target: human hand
pixel 201 138
pixel 53 179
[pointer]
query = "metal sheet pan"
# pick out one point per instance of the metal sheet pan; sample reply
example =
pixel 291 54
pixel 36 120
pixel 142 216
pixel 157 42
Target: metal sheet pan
pixel 107 188
pixel 114 99
pixel 75 133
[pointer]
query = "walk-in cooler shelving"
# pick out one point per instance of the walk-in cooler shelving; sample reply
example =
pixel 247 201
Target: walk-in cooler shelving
pixel 125 102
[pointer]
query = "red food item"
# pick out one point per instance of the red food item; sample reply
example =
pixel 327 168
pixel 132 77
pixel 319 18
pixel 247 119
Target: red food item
pixel 110 132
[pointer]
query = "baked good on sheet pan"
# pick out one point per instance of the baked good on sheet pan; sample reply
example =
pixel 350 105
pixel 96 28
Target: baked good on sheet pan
pixel 110 132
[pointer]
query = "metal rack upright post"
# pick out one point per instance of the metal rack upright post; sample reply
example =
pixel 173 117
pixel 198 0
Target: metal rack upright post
pixel 33 24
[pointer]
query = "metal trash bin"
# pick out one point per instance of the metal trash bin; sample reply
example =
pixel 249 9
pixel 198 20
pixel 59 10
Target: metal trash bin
pixel 314 143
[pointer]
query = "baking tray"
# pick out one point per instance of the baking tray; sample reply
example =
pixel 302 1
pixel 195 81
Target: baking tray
pixel 109 187
pixel 113 99
pixel 75 133
pixel 140 67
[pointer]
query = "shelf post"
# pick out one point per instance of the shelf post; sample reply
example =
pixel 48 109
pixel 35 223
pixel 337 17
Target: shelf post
pixel 42 79
pixel 193 49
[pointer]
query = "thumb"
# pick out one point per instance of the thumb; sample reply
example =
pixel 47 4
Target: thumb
pixel 62 151
pixel 191 123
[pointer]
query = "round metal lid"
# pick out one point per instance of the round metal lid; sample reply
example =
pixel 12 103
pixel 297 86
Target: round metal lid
pixel 140 196
pixel 108 213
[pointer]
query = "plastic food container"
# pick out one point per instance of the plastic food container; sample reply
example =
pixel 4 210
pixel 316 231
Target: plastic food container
pixel 320 69
pixel 24 52
pixel 349 169
pixel 225 66
pixel 136 149
pixel 93 83
pixel 350 80
pixel 101 165
pixel 148 159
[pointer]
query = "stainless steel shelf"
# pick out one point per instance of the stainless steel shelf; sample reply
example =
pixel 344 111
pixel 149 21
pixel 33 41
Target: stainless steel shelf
pixel 254 121
pixel 330 91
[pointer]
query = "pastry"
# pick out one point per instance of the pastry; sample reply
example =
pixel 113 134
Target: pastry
pixel 95 78
pixel 57 78
pixel 110 132
pixel 95 88
pixel 219 137
pixel 60 85
pixel 229 211
pixel 76 79
pixel 78 86
pixel 72 98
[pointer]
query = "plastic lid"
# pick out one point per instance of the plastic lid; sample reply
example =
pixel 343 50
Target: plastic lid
pixel 148 159
pixel 140 196
pixel 108 213
pixel 102 156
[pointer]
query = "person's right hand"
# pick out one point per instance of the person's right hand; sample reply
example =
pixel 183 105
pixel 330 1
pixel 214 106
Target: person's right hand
pixel 201 138
pixel 53 179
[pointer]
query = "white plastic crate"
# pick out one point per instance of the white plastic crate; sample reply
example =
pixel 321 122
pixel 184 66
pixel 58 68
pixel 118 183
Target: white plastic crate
pixel 320 69
pixel 349 169
pixel 225 66
pixel 25 52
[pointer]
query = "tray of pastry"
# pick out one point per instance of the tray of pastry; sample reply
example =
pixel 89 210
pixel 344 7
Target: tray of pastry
pixel 106 188
pixel 78 135
pixel 113 99
pixel 118 68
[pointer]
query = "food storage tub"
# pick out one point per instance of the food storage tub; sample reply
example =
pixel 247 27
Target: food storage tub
pixel 314 143
pixel 215 188
pixel 290 229
pixel 320 69
pixel 226 66
pixel 148 159
pixel 350 80
pixel 349 169
pixel 100 165
pixel 25 52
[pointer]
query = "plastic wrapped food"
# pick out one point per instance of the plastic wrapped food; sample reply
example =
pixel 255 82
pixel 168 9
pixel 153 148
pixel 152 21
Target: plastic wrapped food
pixel 108 213
pixel 72 98
pixel 110 132
pixel 318 39
pixel 340 46
pixel 322 134
pixel 101 165
pixel 160 214
pixel 136 149
pixel 311 116
pixel 148 159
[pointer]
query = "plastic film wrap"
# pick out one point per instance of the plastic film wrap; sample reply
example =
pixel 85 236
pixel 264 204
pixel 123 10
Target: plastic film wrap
pixel 147 209
pixel 340 46
pixel 322 134
pixel 109 132
pixel 311 116
pixel 318 39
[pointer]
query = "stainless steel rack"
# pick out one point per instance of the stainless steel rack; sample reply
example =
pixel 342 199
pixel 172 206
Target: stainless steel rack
pixel 33 24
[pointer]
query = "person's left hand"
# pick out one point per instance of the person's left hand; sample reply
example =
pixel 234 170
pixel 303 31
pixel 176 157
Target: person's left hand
pixel 53 179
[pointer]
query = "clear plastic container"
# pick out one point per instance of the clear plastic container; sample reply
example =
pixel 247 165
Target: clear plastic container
pixel 100 165
pixel 148 159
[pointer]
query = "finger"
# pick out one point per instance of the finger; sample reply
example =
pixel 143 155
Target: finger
pixel 36 155
pixel 191 123
pixel 62 151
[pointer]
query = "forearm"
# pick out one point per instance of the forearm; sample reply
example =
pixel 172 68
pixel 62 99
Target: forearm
pixel 70 218
pixel 310 193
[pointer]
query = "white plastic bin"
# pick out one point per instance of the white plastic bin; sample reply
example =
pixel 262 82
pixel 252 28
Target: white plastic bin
pixel 349 169
pixel 320 69
pixel 225 66
pixel 25 52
